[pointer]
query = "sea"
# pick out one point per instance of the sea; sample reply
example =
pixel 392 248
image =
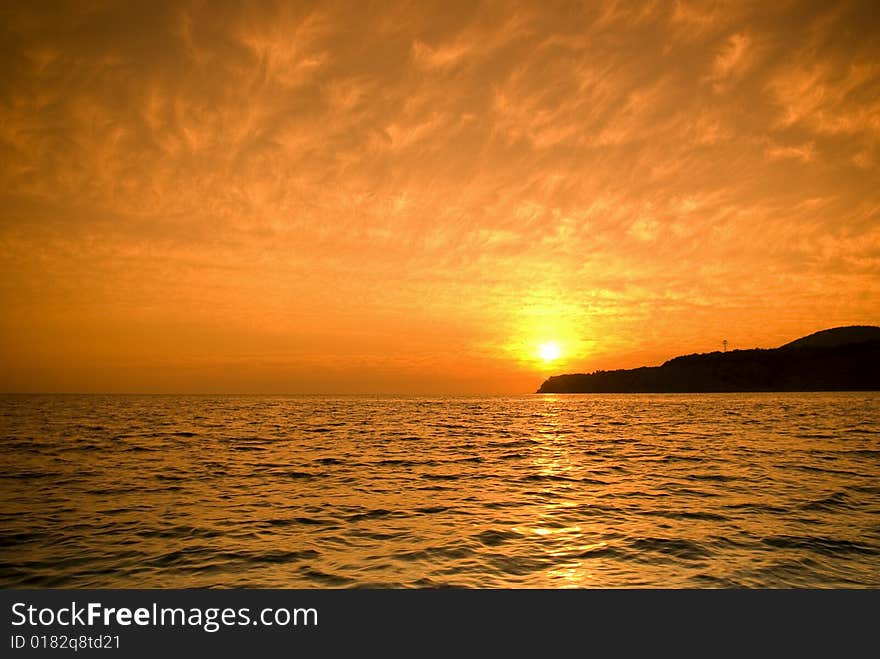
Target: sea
pixel 535 491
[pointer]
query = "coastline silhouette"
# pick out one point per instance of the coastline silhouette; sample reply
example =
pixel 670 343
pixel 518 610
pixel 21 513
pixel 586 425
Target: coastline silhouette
pixel 837 359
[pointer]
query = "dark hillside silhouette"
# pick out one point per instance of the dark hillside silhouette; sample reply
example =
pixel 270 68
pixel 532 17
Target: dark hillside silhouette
pixel 840 359
pixel 839 336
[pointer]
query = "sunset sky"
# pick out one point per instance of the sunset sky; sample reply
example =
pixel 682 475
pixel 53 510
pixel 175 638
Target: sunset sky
pixel 416 197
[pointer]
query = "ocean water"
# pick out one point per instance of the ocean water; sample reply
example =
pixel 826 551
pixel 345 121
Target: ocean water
pixel 725 490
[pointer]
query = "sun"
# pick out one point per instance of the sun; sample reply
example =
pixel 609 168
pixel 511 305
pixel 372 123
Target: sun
pixel 549 351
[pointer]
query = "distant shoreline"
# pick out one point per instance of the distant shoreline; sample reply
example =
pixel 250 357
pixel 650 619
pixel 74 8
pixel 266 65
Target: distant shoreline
pixel 838 359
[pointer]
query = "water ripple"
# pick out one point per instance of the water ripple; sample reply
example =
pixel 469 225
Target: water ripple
pixel 705 491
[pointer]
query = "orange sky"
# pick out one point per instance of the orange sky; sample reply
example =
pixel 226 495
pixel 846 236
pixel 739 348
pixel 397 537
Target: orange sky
pixel 413 197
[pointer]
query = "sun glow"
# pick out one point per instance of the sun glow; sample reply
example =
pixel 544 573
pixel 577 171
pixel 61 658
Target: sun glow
pixel 549 351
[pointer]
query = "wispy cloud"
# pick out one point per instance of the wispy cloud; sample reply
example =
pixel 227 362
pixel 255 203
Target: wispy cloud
pixel 427 190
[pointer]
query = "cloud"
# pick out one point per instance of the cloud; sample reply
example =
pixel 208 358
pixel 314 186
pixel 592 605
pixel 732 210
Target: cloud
pixel 804 152
pixel 732 61
pixel 300 184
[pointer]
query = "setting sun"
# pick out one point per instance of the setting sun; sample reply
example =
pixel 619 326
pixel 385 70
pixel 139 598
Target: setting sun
pixel 490 295
pixel 282 197
pixel 549 351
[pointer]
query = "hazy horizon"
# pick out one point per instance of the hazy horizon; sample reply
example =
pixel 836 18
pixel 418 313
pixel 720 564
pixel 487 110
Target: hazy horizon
pixel 330 392
pixel 453 198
